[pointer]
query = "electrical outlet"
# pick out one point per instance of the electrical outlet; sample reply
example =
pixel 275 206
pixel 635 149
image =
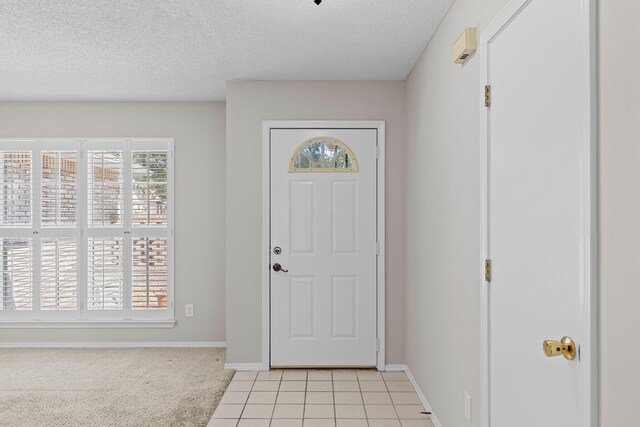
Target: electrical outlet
pixel 188 310
pixel 467 406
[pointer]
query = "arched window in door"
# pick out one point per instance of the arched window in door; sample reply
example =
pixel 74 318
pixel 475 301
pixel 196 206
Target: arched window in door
pixel 323 154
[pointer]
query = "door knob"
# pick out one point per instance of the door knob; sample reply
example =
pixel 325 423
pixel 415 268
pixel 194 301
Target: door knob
pixel 565 347
pixel 278 267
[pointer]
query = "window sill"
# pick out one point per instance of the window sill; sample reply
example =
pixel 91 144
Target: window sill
pixel 87 324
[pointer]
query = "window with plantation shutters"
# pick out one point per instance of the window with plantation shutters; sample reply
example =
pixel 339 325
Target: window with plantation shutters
pixel 86 230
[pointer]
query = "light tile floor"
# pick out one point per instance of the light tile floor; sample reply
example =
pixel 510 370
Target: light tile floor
pixel 320 398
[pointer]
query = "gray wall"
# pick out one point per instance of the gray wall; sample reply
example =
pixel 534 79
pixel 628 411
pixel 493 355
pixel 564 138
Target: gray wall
pixel 248 104
pixel 442 293
pixel 619 212
pixel 199 132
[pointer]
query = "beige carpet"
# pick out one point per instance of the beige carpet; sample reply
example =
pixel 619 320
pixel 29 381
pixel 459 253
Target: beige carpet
pixel 111 387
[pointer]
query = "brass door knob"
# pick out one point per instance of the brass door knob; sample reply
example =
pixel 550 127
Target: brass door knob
pixel 565 347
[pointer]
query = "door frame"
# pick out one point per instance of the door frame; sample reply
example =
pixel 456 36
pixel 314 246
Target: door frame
pixel 588 195
pixel 267 126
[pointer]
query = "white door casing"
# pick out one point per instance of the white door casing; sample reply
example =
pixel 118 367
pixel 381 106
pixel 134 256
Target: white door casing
pixel 538 158
pixel 324 309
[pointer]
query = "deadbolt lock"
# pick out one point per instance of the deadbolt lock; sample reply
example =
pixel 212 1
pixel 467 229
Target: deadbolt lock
pixel 565 347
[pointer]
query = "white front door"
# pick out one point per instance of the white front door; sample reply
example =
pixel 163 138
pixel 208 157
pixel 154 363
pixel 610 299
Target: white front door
pixel 539 218
pixel 323 237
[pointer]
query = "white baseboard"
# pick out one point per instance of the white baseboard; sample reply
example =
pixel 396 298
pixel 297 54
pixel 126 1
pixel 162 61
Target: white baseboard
pixel 111 344
pixel 245 366
pixel 395 368
pixel 404 368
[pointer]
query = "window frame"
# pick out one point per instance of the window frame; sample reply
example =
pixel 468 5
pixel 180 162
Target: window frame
pixel 292 161
pixel 82 232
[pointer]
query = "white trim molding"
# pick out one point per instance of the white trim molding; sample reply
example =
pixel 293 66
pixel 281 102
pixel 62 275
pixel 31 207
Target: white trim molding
pixel 404 368
pixel 88 324
pixel 395 368
pixel 589 274
pixel 138 344
pixel 246 366
pixel 380 127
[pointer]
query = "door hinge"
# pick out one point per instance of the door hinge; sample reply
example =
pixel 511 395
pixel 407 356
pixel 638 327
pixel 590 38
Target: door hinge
pixel 377 345
pixel 377 248
pixel 487 270
pixel 487 95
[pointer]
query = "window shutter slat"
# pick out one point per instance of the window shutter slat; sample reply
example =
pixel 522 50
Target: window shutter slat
pixel 16 189
pixel 105 287
pixel 105 188
pixel 17 274
pixel 149 272
pixel 59 188
pixel 149 187
pixel 59 288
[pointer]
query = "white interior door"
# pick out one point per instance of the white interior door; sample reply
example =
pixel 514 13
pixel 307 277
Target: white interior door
pixel 539 216
pixel 323 235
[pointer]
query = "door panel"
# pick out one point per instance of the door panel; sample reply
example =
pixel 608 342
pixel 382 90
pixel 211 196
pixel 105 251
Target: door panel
pixel 302 225
pixel 323 308
pixel 302 307
pixel 344 307
pixel 536 215
pixel 344 217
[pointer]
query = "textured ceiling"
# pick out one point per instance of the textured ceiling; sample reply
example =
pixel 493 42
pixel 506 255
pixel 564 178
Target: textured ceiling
pixel 187 49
